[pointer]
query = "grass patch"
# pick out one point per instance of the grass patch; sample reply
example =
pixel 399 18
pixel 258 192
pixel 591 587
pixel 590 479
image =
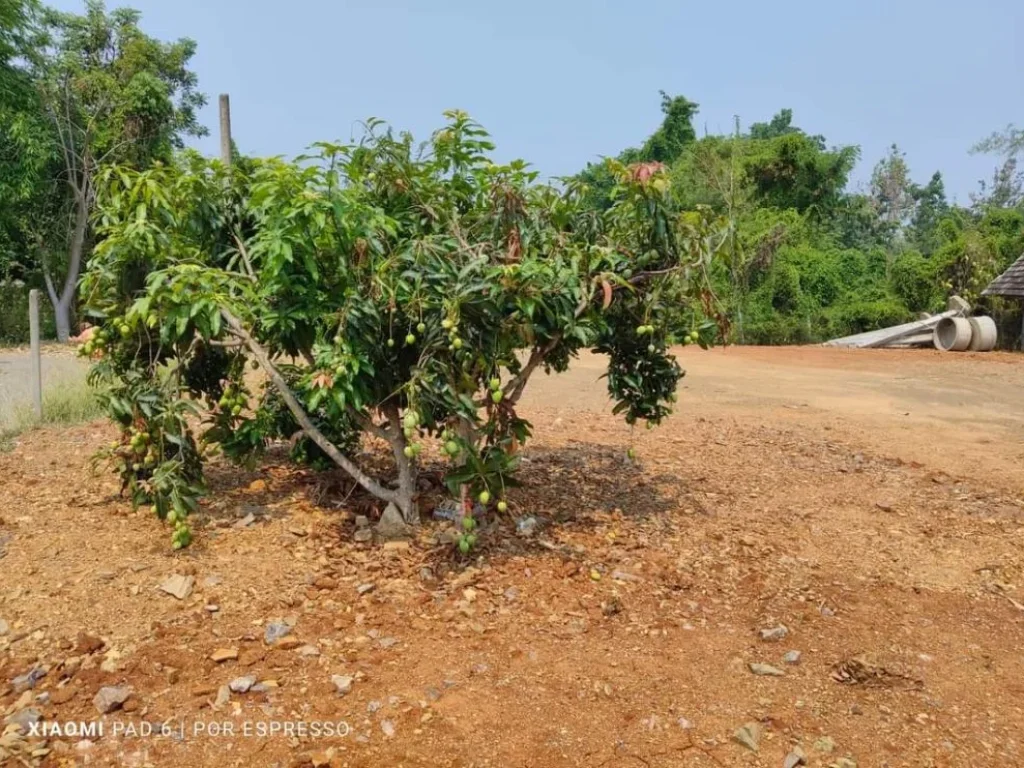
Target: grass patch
pixel 72 403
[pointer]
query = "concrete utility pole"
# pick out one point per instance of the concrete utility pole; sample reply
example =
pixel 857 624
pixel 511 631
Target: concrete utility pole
pixel 36 355
pixel 225 129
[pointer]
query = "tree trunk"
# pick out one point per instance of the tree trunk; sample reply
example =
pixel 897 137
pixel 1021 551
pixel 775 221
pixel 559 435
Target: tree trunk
pixel 62 318
pixel 406 501
pixel 62 302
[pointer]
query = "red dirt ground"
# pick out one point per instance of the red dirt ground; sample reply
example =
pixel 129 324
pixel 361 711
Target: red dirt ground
pixel 871 501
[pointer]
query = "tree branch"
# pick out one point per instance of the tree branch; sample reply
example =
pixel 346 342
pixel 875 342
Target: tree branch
pixel 302 417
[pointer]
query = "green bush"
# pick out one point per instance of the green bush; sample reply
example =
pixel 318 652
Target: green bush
pixel 14 314
pixel 915 280
pixel 860 316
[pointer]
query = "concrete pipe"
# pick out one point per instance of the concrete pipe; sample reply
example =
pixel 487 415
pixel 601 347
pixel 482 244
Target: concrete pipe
pixel 952 334
pixel 983 334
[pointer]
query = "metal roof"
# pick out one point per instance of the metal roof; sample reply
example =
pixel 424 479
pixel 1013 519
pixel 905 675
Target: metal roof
pixel 1010 283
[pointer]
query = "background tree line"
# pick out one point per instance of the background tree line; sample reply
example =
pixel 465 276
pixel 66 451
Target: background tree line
pixel 77 92
pixel 806 258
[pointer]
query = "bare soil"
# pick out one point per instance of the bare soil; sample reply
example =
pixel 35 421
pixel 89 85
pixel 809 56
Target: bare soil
pixel 870 501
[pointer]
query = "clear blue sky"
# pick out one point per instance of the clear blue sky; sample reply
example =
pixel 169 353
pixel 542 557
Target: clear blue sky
pixel 561 82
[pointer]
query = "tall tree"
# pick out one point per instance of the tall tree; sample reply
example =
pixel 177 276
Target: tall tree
pixel 675 132
pixel 112 95
pixel 930 207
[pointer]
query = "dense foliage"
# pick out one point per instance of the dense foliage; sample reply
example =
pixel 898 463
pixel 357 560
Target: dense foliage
pixel 807 260
pixel 78 92
pixel 382 288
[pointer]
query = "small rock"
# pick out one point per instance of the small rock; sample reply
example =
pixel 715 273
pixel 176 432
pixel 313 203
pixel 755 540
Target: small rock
pixel 211 608
pixel 203 689
pixel 29 679
pixel 111 697
pixel 791 657
pixel 342 683
pixel 365 589
pixel 24 719
pixel 86 644
pixel 388 728
pixel 774 634
pixel 825 745
pixel 258 486
pixel 246 521
pixel 625 576
pixel 749 736
pixel 362 521
pixel 766 670
pixel 794 758
pixel 252 656
pixel 885 506
pixel 526 526
pixel 826 611
pixel 397 546
pixel 511 594
pixel 374 706
pixel 275 631
pixel 320 760
pixel 4 627
pixel 391 525
pixel 242 684
pixel 224 654
pixel 362 535
pixel 309 651
pixel 685 724
pixel 223 696
pixel 288 644
pixel 325 583
pixel 178 586
pixel 212 581
pixel 844 762
pixel 64 695
pixel 387 642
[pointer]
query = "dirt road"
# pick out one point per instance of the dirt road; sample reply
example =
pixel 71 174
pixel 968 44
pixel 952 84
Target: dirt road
pixel 868 502
pixel 962 413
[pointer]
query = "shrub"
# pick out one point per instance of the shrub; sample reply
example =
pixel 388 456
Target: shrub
pixel 420 288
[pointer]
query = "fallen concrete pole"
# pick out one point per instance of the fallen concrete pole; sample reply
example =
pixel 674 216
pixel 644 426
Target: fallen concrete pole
pixel 883 337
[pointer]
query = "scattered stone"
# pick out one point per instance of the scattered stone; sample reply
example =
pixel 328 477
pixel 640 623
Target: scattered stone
pixel 365 589
pixel 391 525
pixel 625 576
pixel 29 679
pixel 685 724
pixel 885 506
pixel 252 656
pixel 86 644
pixel 275 631
pixel 362 521
pixel 24 719
pixel 203 689
pixel 766 670
pixel 242 684
pixel 106 575
pixel 63 695
pixel 309 651
pixel 325 583
pixel 791 657
pixel 844 762
pixel 212 581
pixel 178 586
pixel 342 683
pixel 224 654
pixel 511 594
pixel 794 758
pixel 388 727
pixel 826 745
pixel 362 535
pixel 246 521
pixel 4 627
pixel 826 612
pixel 374 706
pixel 774 634
pixel 111 697
pixel 223 697
pixel 749 736
pixel 387 642
pixel 211 608
pixel 288 644
pixel 526 526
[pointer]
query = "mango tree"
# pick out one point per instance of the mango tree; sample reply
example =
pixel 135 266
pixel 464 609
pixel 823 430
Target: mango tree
pixel 381 288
